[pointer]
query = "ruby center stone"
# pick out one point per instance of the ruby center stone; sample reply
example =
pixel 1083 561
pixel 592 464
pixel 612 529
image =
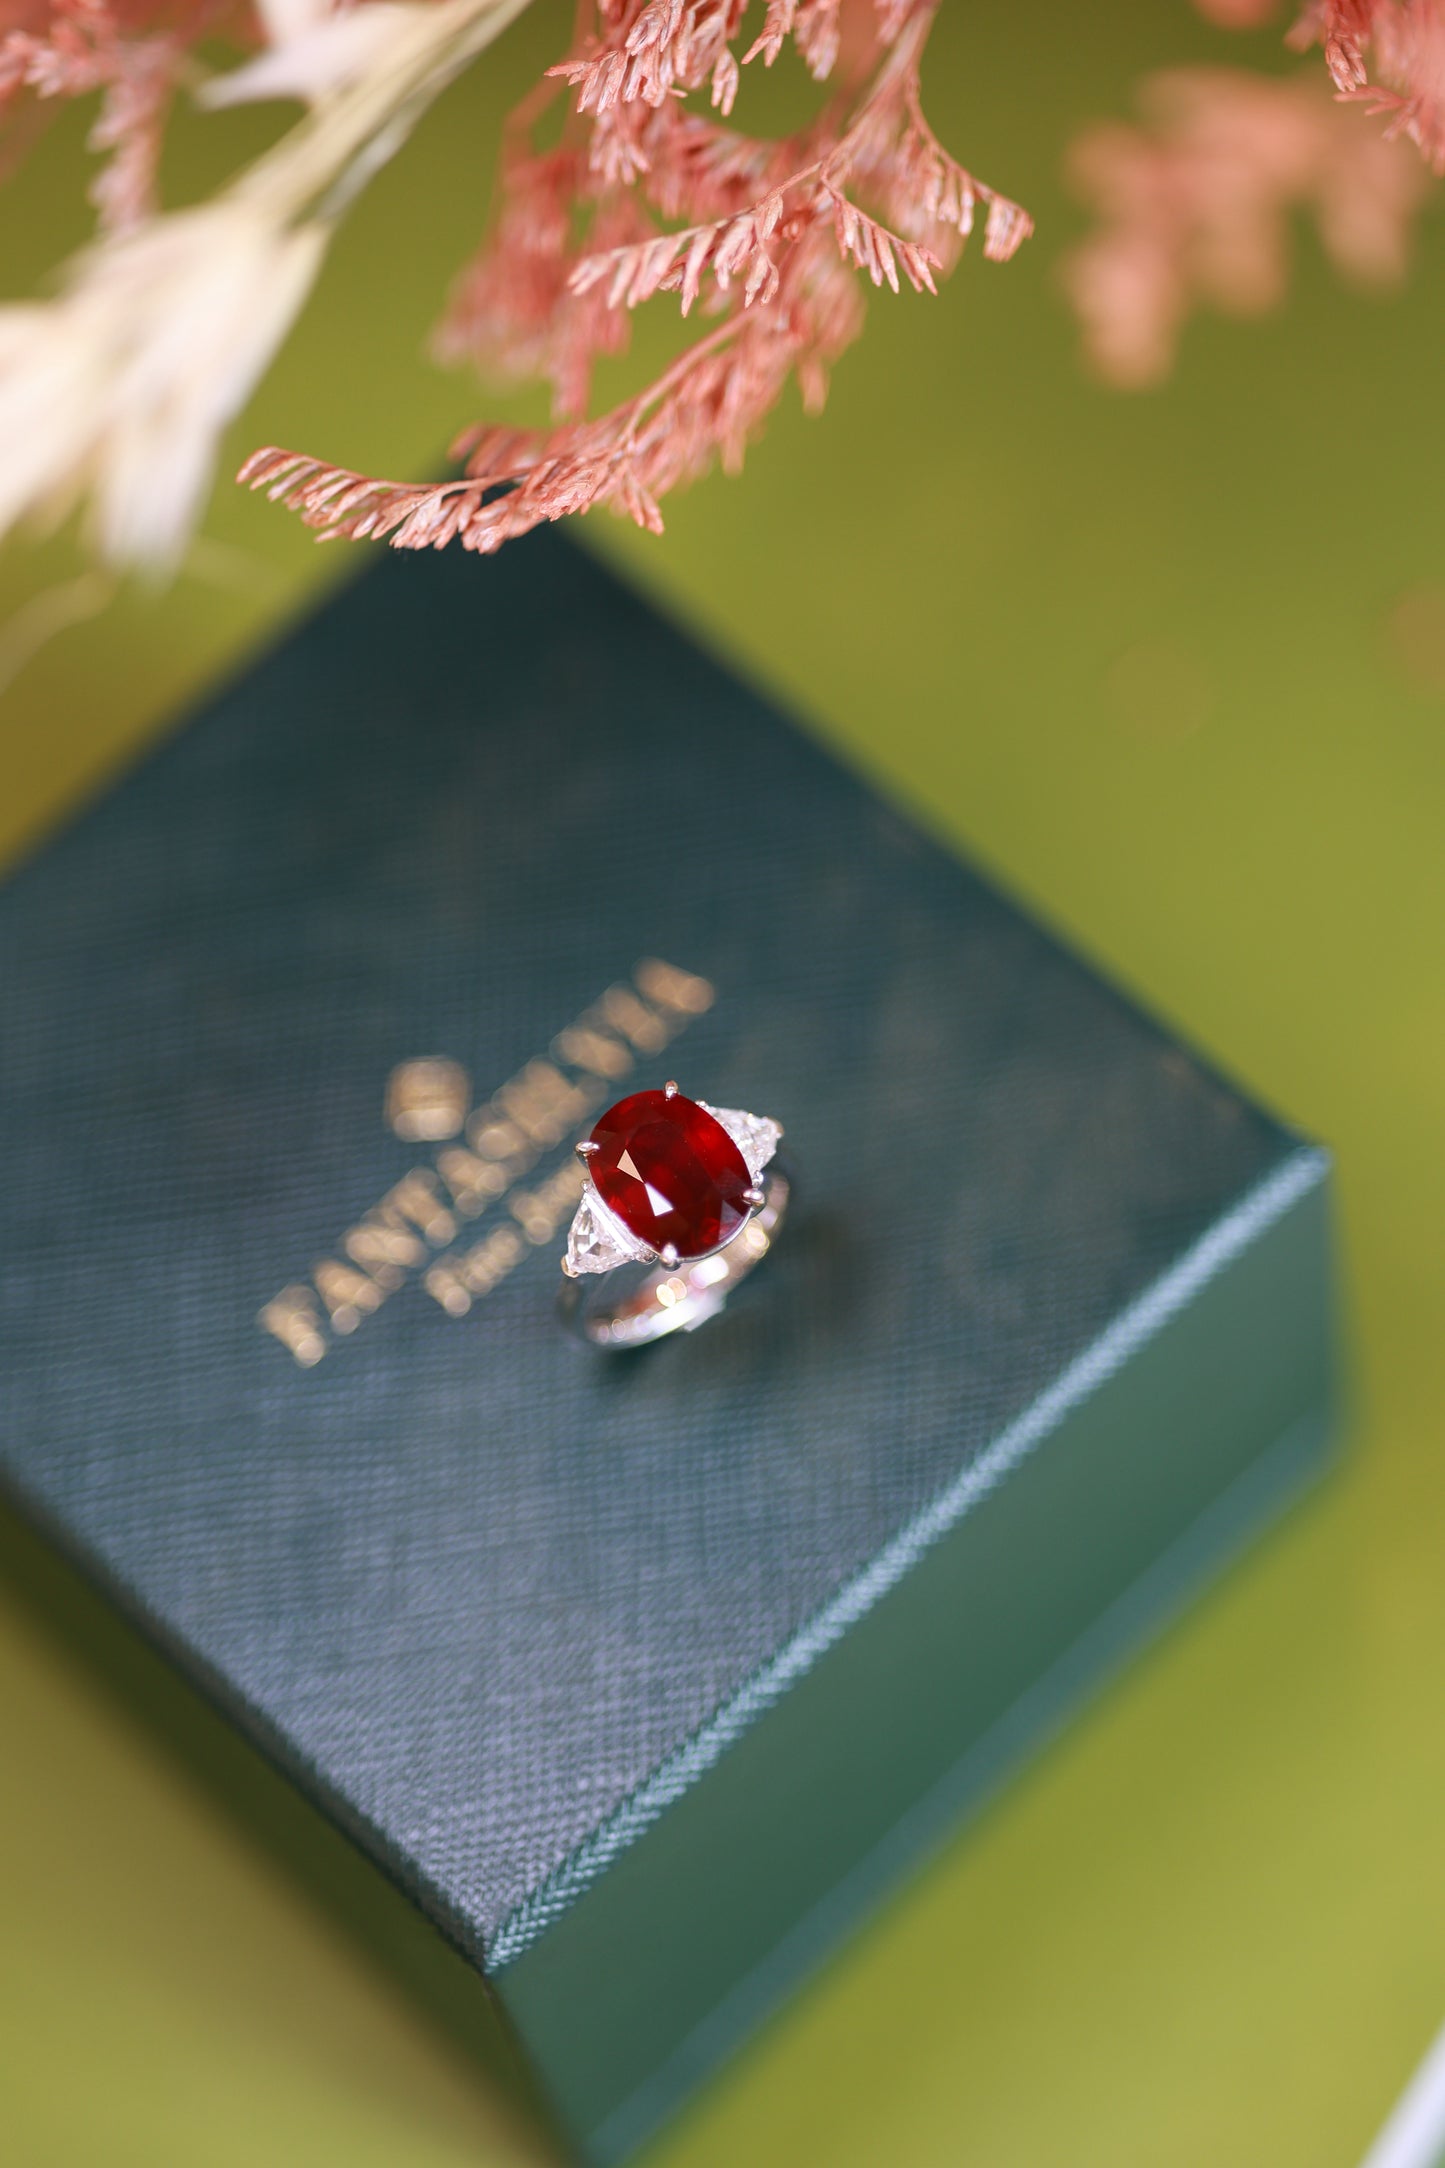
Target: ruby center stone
pixel 670 1172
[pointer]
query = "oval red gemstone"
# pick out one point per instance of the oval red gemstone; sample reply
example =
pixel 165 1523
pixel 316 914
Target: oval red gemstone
pixel 670 1172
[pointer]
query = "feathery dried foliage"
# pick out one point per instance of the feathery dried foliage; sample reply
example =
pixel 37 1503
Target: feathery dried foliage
pixel 1196 205
pixel 1388 56
pixel 134 53
pixel 1196 208
pixel 650 190
pixel 114 391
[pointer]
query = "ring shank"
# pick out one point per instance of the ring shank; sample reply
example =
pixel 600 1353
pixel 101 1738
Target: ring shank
pixel 620 1309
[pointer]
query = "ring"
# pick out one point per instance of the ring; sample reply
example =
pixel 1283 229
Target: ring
pixel 681 1202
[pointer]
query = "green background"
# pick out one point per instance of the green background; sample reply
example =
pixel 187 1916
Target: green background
pixel 1143 656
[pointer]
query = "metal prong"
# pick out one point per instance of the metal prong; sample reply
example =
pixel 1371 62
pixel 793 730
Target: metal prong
pixel 755 1197
pixel 669 1089
pixel 647 1257
pixel 670 1256
pixel 569 1268
pixel 586 1150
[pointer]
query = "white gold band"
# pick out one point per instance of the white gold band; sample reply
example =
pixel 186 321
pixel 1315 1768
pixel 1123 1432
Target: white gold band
pixel 634 1304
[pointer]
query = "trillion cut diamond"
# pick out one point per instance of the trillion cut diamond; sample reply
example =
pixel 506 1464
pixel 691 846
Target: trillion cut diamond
pixel 755 1136
pixel 596 1242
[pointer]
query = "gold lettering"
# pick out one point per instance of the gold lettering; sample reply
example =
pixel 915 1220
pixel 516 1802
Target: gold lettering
pixel 473 1182
pixel 348 1295
pixel 621 1008
pixel 586 1048
pixel 495 1258
pixel 672 988
pixel 443 1281
pixel 454 1281
pixel 415 1197
pixel 534 1111
pixel 532 1216
pixel 293 1317
pixel 384 1248
pixel 543 1103
pixel 427 1099
pixel 539 1212
pixel 489 1133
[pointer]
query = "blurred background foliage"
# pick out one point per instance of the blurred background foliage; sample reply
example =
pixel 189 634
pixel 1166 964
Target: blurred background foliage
pixel 1174 666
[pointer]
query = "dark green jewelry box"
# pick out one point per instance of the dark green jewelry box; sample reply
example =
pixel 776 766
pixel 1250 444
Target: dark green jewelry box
pixel 641 1678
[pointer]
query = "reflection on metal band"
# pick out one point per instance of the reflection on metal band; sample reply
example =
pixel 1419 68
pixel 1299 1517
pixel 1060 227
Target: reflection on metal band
pixel 635 1305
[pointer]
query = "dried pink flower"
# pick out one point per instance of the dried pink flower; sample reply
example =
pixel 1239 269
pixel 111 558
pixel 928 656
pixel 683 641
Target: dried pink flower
pixel 771 234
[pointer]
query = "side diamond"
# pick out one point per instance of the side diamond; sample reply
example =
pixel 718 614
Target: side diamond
pixel 755 1136
pixel 596 1243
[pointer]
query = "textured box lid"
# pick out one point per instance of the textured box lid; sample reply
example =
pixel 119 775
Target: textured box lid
pixel 477 1590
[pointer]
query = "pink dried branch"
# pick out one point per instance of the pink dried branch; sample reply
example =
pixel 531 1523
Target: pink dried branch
pixel 732 249
pixel 738 251
pixel 869 245
pixel 815 27
pixel 704 409
pixel 517 479
pixel 133 56
pixel 771 235
pixel 817 33
pixel 927 189
pixel 893 16
pixel 1389 57
pixel 1385 55
pixel 695 165
pixel 666 45
pixel 131 128
pixel 1195 207
pixel 894 153
pixel 775 33
pixel 514 304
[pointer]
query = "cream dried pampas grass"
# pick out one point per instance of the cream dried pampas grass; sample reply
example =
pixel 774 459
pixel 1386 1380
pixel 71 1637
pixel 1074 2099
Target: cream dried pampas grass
pixel 114 394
